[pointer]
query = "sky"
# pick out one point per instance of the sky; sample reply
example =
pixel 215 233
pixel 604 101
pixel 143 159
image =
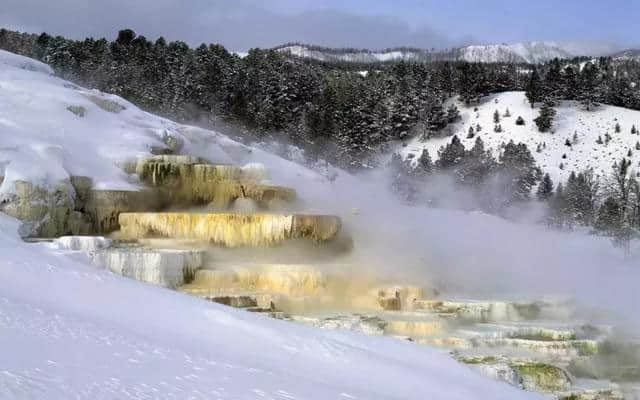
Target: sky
pixel 375 24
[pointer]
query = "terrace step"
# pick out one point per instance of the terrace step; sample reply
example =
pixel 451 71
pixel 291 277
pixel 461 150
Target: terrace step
pixel 167 268
pixel 231 229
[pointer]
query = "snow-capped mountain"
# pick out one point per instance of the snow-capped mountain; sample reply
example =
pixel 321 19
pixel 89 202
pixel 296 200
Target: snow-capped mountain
pixel 582 129
pixel 630 54
pixel 362 56
pixel 526 52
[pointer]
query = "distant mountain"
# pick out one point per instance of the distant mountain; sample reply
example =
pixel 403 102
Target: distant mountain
pixel 352 55
pixel 630 54
pixel 528 52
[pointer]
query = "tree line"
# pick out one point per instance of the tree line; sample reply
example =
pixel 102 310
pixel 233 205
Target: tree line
pixel 344 115
pixel 327 109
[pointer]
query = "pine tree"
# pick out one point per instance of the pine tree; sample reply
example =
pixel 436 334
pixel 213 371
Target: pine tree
pixel 507 114
pixel 553 80
pixel 425 165
pixel 400 182
pixel 519 121
pixel 545 188
pixel 581 194
pixel 471 133
pixel 534 89
pixel 517 163
pixel 558 208
pixel 452 113
pixel 476 166
pixel 436 118
pixel 478 128
pixel 544 121
pixel 451 155
pixel 496 117
pixel 617 128
pixel 589 91
pixel 633 130
pixel 609 219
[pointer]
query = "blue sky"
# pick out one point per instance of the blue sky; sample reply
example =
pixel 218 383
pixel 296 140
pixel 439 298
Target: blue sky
pixel 614 21
pixel 240 24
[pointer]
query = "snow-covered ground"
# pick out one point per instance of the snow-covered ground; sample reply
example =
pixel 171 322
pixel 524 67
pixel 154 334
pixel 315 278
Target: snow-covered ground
pixel 74 331
pixel 71 330
pixel 51 129
pixel 571 119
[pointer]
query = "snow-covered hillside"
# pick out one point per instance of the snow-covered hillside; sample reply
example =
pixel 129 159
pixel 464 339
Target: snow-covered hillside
pixel 70 330
pixel 526 52
pixel 361 56
pixel 52 129
pixel 529 52
pixel 631 54
pixel 571 119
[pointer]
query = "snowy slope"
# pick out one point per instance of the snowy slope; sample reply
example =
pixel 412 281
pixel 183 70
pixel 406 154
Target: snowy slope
pixel 529 52
pixel 631 54
pixel 43 142
pixel 73 331
pixel 526 52
pixel 361 56
pixel 571 118
pixel 70 330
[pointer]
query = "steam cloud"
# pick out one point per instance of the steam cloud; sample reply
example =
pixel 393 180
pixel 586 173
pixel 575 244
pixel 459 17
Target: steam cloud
pixel 474 254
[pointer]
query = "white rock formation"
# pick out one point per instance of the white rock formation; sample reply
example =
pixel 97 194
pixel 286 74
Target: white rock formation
pixel 167 268
pixel 83 243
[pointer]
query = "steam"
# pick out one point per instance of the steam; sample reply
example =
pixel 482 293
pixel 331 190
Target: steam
pixel 466 253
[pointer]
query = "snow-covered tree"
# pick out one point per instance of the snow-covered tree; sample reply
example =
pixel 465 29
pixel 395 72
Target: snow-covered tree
pixel 534 90
pixel 545 188
pixel 544 121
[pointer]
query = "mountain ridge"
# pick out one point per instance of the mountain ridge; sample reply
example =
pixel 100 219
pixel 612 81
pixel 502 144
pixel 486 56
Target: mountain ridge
pixel 521 52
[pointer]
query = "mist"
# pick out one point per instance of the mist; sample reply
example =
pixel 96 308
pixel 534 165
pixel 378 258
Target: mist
pixel 470 254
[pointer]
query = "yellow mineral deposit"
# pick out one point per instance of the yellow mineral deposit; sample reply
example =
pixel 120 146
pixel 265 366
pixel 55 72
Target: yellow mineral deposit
pixel 186 183
pixel 231 230
pixel 286 279
pixel 415 328
pixel 300 288
pixel 161 170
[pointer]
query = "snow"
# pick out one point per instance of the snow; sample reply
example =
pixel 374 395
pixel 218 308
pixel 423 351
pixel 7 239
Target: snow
pixel 571 118
pixel 29 64
pixel 44 143
pixel 72 330
pixel 627 55
pixel 358 56
pixel 529 52
pixel 81 243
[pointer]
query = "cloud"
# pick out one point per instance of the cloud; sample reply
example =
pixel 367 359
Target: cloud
pixel 238 25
